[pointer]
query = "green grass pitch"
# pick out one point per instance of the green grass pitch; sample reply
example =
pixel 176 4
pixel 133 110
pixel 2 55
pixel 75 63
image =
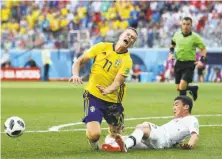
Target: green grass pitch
pixel 46 104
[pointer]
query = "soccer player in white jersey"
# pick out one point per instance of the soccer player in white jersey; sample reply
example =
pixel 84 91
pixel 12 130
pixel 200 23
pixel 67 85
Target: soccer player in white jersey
pixel 150 136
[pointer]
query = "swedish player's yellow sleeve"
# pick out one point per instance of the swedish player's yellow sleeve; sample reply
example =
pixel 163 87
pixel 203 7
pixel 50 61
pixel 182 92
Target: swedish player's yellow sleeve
pixel 199 42
pixel 94 50
pixel 126 67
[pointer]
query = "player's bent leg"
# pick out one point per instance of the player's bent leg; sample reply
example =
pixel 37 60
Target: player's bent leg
pixel 93 133
pixel 146 128
pixel 93 118
pixel 141 131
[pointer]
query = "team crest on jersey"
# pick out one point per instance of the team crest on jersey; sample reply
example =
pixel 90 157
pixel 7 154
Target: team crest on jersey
pixel 92 109
pixel 118 62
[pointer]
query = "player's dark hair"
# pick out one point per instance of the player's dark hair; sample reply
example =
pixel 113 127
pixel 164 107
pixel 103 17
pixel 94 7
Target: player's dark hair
pixel 185 100
pixel 131 28
pixel 188 18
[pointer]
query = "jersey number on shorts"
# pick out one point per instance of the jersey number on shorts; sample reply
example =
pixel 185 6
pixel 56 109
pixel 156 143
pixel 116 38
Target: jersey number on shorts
pixel 107 65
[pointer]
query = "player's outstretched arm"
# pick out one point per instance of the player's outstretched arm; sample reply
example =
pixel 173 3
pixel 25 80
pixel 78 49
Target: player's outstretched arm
pixel 114 86
pixel 76 67
pixel 192 142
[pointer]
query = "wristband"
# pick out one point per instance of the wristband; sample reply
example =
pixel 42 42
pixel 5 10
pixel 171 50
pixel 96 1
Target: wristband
pixel 172 50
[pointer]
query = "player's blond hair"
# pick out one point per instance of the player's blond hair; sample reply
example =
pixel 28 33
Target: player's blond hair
pixel 134 29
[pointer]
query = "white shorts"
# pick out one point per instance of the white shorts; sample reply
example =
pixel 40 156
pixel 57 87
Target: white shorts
pixel 157 139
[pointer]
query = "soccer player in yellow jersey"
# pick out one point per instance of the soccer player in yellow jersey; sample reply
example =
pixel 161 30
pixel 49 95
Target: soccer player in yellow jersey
pixel 105 89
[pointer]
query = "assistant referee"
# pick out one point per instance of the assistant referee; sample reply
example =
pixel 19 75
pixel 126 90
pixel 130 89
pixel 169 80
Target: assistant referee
pixel 185 43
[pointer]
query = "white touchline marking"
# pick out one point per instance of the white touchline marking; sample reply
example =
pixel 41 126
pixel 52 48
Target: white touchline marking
pixel 56 128
pixel 73 130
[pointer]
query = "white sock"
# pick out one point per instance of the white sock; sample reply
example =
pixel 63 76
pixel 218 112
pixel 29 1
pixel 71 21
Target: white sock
pixel 129 143
pixel 138 135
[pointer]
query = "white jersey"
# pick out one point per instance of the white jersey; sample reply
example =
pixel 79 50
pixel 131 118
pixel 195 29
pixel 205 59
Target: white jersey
pixel 180 128
pixel 169 134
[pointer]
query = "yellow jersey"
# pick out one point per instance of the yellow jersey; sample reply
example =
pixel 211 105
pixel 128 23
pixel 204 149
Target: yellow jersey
pixel 107 64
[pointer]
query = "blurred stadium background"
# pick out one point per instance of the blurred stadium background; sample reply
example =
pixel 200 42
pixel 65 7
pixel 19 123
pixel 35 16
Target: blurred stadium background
pixel 54 33
pixel 37 36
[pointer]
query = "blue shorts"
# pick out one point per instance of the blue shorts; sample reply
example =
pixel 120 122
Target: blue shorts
pixel 95 109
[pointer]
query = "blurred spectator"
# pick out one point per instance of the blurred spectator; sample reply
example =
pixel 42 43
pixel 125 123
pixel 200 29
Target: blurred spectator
pixel 6 64
pixel 46 59
pixel 169 70
pixel 5 59
pixel 150 37
pixel 200 71
pixel 134 16
pixel 218 77
pixel 160 78
pixel 136 73
pixel 30 63
pixel 5 14
pixel 200 74
pixel 7 45
pixel 155 21
pixel 44 26
pixel 74 24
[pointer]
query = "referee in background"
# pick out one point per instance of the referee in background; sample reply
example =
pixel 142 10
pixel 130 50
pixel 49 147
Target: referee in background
pixel 185 43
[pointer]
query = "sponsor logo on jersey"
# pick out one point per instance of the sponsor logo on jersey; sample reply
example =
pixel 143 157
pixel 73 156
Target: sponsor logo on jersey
pixel 127 71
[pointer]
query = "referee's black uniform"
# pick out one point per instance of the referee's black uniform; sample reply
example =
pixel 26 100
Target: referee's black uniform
pixel 185 54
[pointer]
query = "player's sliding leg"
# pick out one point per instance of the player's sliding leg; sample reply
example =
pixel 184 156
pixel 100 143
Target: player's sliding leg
pixel 110 144
pixel 93 133
pixel 141 131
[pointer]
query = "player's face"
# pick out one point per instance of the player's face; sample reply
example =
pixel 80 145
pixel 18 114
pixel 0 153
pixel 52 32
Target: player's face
pixel 178 108
pixel 127 38
pixel 186 26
